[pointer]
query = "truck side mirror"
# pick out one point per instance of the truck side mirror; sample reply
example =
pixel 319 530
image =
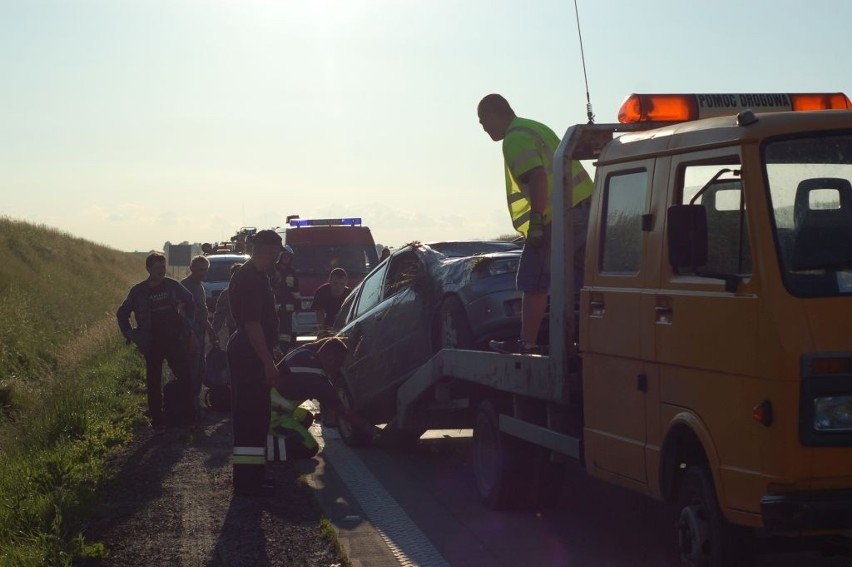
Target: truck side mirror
pixel 687 236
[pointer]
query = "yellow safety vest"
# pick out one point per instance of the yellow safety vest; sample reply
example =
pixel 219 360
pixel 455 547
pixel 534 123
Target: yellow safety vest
pixel 521 155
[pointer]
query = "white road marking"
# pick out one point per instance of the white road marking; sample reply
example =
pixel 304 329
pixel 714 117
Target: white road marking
pixel 406 541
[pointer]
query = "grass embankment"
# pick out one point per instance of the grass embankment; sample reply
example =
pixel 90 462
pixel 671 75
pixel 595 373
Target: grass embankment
pixel 69 388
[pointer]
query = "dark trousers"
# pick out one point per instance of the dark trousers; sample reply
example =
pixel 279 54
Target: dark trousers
pixel 176 354
pixel 250 406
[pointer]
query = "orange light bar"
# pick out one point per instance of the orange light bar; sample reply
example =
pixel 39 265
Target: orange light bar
pixel 658 108
pixel 685 107
pixel 820 101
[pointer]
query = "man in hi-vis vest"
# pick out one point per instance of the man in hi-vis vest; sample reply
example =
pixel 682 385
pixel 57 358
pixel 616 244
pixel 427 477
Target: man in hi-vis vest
pixel 528 150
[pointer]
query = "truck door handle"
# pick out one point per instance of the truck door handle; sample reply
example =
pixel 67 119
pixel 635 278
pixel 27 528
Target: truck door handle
pixel 597 307
pixel 663 314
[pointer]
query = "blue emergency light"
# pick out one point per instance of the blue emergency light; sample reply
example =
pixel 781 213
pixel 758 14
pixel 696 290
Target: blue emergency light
pixel 350 221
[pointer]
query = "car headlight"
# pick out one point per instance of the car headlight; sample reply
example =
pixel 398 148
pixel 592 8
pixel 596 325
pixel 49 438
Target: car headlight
pixel 500 267
pixel 833 413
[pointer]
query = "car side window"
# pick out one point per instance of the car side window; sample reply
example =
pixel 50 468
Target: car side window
pixel 371 291
pixel 402 272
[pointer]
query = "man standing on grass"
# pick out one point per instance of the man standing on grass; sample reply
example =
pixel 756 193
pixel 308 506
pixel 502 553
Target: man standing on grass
pixel 198 268
pixel 164 312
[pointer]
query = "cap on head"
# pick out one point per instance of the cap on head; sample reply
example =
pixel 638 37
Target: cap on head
pixel 268 238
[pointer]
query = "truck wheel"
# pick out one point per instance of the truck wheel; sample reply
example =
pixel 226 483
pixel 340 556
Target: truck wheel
pixel 497 460
pixel 705 537
pixel 351 435
pixel 453 327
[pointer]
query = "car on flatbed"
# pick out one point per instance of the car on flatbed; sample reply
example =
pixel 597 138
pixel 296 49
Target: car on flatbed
pixel 423 298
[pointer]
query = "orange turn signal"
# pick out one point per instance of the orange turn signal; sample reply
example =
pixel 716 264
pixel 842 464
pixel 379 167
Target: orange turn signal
pixel 762 413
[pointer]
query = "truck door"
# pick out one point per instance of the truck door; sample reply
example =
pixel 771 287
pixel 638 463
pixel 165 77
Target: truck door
pixel 616 344
pixel 707 341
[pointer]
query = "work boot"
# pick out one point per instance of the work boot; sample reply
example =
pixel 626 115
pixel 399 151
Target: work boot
pixel 515 346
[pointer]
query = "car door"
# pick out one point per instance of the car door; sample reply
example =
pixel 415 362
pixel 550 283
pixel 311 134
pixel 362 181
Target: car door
pixel 406 316
pixel 366 363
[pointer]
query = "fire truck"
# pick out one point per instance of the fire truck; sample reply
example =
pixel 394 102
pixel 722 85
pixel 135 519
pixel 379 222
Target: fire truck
pixel 706 360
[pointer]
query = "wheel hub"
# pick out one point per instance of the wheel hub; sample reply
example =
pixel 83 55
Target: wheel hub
pixel 693 534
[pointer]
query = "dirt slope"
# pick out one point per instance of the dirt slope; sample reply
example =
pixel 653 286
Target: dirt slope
pixel 171 504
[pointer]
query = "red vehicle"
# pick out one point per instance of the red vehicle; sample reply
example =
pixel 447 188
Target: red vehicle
pixel 320 245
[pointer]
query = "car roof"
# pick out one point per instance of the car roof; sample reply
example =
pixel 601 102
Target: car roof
pixel 216 258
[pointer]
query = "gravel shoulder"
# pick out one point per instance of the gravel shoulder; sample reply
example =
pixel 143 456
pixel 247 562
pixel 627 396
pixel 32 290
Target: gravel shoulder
pixel 171 503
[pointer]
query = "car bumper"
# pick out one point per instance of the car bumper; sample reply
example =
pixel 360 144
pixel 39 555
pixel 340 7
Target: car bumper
pixel 496 315
pixel 807 511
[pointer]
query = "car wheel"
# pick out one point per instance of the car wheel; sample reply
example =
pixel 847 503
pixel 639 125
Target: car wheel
pixel 352 435
pixel 453 327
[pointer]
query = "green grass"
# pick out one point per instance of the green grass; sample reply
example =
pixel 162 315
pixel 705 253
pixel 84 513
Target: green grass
pixel 70 390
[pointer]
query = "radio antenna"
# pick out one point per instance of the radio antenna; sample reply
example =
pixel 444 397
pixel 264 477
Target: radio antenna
pixel 589 114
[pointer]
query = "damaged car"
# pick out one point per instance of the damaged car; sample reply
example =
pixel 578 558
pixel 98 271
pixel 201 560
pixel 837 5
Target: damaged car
pixel 423 298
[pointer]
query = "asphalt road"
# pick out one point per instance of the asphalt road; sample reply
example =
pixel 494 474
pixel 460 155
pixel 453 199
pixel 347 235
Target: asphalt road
pixel 421 505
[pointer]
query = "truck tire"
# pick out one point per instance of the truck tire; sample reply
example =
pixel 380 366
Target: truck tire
pixel 705 537
pixel 351 435
pixel 498 461
pixel 452 326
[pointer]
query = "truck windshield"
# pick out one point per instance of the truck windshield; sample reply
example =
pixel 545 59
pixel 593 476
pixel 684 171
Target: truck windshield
pixel 319 260
pixel 810 188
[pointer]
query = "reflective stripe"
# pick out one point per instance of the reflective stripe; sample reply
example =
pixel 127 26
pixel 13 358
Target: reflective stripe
pixel 285 338
pixel 524 218
pixel 271 442
pixel 248 451
pixel 515 197
pixel 306 370
pixel 281 423
pixel 249 460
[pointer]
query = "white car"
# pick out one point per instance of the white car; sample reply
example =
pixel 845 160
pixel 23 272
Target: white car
pixel 219 275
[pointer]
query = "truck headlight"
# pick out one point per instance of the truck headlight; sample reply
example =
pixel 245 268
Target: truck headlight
pixel 833 413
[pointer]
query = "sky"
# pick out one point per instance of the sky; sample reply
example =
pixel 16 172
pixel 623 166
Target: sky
pixel 132 123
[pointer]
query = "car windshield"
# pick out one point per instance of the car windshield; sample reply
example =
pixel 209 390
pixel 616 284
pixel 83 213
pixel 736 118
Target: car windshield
pixel 810 188
pixel 356 259
pixel 220 271
pixel 471 248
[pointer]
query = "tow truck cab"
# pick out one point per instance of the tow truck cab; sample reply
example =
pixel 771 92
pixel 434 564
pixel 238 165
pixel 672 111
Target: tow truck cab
pixel 715 311
pixel 320 245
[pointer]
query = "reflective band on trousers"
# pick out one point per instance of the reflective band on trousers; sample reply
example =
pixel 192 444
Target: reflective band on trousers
pixel 306 370
pixel 249 456
pixel 273 442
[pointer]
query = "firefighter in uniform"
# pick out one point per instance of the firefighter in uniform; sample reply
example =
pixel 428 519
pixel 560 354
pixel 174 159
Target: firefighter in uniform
pixel 528 149
pixel 287 299
pixel 306 373
pixel 250 362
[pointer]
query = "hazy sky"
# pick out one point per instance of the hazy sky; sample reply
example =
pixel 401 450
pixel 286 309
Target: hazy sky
pixel 135 122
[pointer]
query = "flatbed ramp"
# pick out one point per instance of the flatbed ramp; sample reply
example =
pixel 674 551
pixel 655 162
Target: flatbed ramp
pixel 541 410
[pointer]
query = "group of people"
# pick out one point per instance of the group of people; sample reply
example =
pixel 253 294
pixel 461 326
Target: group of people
pixel 172 323
pixel 263 295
